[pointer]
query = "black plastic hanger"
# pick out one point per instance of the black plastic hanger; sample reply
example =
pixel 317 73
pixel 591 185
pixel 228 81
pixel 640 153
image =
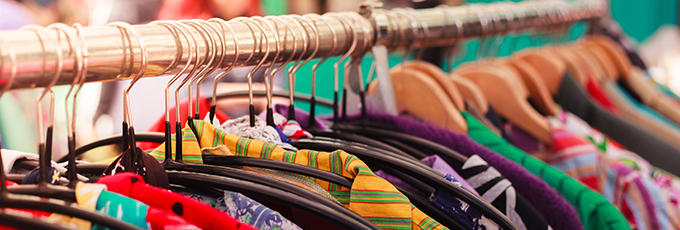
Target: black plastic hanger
pixel 419 173
pixel 179 165
pixel 21 222
pixel 420 202
pixel 9 200
pixel 264 192
pixel 367 129
pixel 43 188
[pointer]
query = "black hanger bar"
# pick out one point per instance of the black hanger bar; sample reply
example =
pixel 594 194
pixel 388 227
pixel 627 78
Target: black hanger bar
pixel 278 165
pixel 7 200
pixel 279 94
pixel 264 192
pixel 154 137
pixel 419 173
pixel 26 223
pixel 440 149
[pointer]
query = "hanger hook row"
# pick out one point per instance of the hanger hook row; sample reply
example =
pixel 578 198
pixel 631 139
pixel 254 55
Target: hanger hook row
pixel 142 69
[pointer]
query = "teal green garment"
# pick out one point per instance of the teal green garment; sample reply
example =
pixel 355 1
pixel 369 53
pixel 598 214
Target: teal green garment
pixel 122 208
pixel 16 130
pixel 595 211
pixel 640 108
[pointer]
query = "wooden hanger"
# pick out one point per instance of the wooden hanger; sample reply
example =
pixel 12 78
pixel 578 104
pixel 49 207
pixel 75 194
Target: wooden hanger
pixel 617 55
pixel 548 66
pixel 648 92
pixel 508 99
pixel 574 65
pixel 538 91
pixel 603 59
pixel 438 75
pixel 470 91
pixel 589 62
pixel 420 95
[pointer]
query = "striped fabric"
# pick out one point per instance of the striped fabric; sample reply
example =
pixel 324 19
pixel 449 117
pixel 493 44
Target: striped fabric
pixel 639 200
pixel 189 147
pixel 494 188
pixel 292 178
pixel 370 196
pixel 668 184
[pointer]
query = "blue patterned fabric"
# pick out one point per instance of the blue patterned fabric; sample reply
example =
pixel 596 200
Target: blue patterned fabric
pixel 243 208
pixel 468 216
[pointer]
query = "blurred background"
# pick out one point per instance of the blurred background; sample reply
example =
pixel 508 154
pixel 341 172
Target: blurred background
pixel 651 26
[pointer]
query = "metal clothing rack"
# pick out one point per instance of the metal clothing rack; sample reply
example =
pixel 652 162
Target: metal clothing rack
pixel 114 54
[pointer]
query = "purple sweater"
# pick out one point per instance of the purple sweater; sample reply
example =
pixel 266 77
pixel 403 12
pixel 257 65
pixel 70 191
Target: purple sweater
pixel 555 210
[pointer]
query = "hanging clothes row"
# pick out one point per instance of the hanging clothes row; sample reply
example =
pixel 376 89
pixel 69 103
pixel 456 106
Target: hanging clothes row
pixel 569 135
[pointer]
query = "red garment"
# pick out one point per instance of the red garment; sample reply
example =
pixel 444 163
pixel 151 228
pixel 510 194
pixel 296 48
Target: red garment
pixel 161 220
pixel 159 126
pixel 596 93
pixel 197 9
pixel 197 213
pixel 25 212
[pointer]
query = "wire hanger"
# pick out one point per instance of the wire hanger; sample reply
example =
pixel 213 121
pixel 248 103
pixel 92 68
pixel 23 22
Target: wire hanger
pixel 272 72
pixel 336 65
pixel 211 66
pixel 312 102
pixel 130 141
pixel 80 71
pixel 292 70
pixel 173 26
pixel 9 200
pixel 223 24
pixel 303 203
pixel 268 72
pixel 259 64
pixel 43 188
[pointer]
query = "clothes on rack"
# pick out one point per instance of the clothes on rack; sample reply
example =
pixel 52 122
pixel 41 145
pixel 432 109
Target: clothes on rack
pixel 566 137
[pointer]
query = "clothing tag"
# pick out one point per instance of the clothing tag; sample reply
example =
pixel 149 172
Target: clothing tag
pixel 352 86
pixel 382 101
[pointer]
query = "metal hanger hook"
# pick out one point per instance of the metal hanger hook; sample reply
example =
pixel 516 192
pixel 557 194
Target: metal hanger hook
pixel 41 32
pixel 142 69
pixel 459 35
pixel 77 62
pixel 224 24
pixel 172 27
pixel 259 64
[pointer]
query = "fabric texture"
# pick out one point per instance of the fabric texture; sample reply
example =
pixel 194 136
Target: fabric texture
pixel 555 210
pixel 261 131
pixel 242 208
pixel 657 151
pixel 501 194
pixel 469 216
pixel 595 211
pixel 159 126
pixel 599 96
pixel 667 183
pixel 639 200
pixel 197 213
pixel 149 168
pixel 370 196
pixel 301 116
pixel 33 176
pixel 96 198
pixel 495 119
pixel 474 111
pixel 436 163
pixel 291 128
